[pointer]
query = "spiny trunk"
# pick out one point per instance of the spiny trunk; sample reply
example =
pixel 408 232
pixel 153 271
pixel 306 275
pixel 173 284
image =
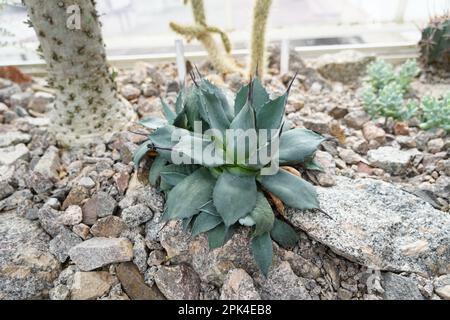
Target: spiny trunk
pixel 87 105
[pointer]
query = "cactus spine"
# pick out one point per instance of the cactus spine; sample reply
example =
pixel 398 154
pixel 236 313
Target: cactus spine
pixel 258 41
pixel 201 31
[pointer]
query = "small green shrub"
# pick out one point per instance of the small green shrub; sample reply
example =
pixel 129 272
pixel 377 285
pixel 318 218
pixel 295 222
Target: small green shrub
pixel 385 88
pixel 436 113
pixel 216 197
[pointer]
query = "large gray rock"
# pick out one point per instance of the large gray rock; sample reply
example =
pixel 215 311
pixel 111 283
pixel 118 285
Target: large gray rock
pixel 16 200
pixel 5 190
pixel 99 206
pixel 90 285
pixel 356 119
pixel 40 101
pixel 13 137
pixel 62 243
pixel 178 282
pixel 49 163
pixel 21 99
pixel 282 284
pixel 109 227
pixel 136 215
pixel 50 220
pixel 98 252
pixel 27 268
pixel 9 155
pixel 133 283
pixel 345 66
pixel 7 91
pixel 390 159
pixel 380 226
pixel 211 265
pixel 397 287
pixel 239 285
pixel 442 286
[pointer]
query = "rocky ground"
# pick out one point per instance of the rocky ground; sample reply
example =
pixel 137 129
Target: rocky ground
pixel 82 224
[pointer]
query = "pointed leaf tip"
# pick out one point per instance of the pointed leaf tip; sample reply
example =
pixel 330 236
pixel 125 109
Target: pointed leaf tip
pixel 262 250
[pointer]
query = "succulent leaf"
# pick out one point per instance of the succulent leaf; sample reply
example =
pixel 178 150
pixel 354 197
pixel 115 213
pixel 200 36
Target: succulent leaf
pixel 168 113
pixel 185 199
pixel 271 114
pixel 292 190
pixel 204 223
pixel 262 250
pixel 157 165
pixel 174 174
pixel 234 197
pixel 186 223
pixel 153 122
pixel 209 208
pixel 314 166
pixel 214 114
pixel 283 234
pixel 161 139
pixel 262 215
pixel 298 145
pixel 187 147
pixel 192 109
pixel 241 99
pixel 140 153
pixel 244 121
pixel 229 112
pixel 179 103
pixel 260 95
pixel 220 235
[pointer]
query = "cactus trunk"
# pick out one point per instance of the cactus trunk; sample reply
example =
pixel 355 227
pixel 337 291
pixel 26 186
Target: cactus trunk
pixel 435 43
pixel 258 42
pixel 87 105
pixel 221 60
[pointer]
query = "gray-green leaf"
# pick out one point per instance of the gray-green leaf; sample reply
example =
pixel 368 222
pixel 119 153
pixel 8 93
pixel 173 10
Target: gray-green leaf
pixel 272 113
pixel 168 113
pixel 153 122
pixel 162 138
pixel 140 153
pixel 187 148
pixel 297 145
pixel 283 234
pixel 205 222
pixel 262 250
pixel 157 165
pixel 220 235
pixel 314 166
pixel 260 95
pixel 263 215
pixel 234 196
pixel 292 190
pixel 185 199
pixel 215 114
pixel 241 99
pixel 174 174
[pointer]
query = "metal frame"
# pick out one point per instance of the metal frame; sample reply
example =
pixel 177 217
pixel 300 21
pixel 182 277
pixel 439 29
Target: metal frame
pixel 392 52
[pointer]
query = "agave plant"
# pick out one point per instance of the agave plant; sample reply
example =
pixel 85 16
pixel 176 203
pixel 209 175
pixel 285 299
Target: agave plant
pixel 216 197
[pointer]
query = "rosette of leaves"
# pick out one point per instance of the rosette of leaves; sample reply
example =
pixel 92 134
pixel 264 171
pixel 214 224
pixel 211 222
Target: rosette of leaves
pixel 386 88
pixel 436 113
pixel 216 197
